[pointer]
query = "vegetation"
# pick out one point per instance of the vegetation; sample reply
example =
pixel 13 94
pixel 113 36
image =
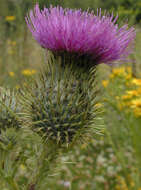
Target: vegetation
pixel 109 161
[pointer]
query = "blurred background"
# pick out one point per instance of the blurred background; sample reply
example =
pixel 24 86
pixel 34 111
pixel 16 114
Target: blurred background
pixel 107 163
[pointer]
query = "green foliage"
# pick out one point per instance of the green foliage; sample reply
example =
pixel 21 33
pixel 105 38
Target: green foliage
pixel 24 160
pixel 123 130
pixel 9 109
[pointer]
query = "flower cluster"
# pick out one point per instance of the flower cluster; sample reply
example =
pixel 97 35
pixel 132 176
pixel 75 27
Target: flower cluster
pixel 132 97
pixel 10 18
pixel 81 33
pixel 28 72
pixel 128 90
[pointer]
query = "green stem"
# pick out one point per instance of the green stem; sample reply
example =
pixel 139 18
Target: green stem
pixel 9 181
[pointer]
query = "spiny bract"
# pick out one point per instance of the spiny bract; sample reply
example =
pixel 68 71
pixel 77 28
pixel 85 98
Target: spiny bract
pixel 59 105
pixel 8 109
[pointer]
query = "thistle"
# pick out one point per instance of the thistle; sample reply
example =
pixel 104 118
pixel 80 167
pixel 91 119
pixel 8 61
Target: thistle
pixel 8 109
pixel 58 107
pixel 85 37
pixel 61 102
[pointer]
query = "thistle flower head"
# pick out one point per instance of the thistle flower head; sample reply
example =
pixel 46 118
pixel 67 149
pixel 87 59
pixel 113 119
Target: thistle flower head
pixel 81 33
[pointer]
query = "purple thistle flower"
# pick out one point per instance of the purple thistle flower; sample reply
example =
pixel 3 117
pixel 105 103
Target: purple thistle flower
pixel 81 33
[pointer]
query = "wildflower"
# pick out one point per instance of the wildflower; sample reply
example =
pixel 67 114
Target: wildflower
pixel 105 83
pixel 117 97
pixel 79 33
pixel 129 70
pixel 133 92
pixel 132 184
pixel 137 102
pixel 22 167
pixel 120 105
pixel 136 81
pixel 17 86
pixel 127 97
pixel 137 112
pixel 119 71
pixel 128 74
pixel 11 74
pixel 9 42
pixel 28 72
pixel 127 78
pixel 139 91
pixel 122 184
pixel 98 105
pixel 10 18
pixel 117 187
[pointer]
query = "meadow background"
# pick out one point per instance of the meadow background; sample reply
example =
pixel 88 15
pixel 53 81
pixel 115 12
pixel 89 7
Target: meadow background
pixel 113 161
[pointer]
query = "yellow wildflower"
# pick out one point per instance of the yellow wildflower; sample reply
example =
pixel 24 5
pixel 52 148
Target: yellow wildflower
pixel 127 83
pixel 118 71
pixel 136 103
pixel 117 97
pixel 12 74
pixel 28 72
pixel 133 92
pixel 98 105
pixel 122 71
pixel 111 75
pixel 9 42
pixel 121 184
pixel 128 76
pixel 22 167
pixel 118 187
pixel 136 81
pixel 10 18
pixel 137 112
pixel 129 69
pixel 128 73
pixel 127 97
pixel 120 106
pixel 127 104
pixel 105 83
pixel 33 71
pixel 17 86
pixel 132 184
pixel 139 91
